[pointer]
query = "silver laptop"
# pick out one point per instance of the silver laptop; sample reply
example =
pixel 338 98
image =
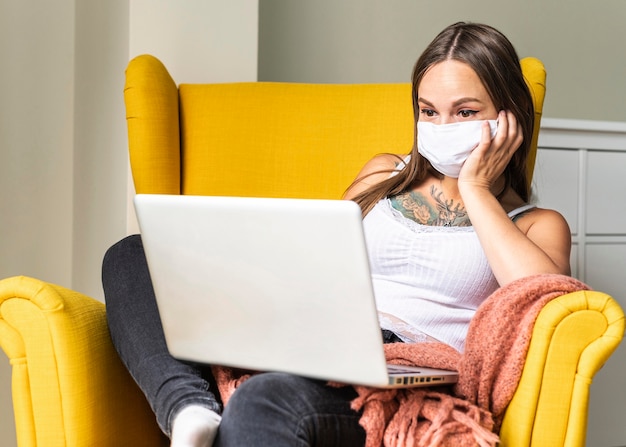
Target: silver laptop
pixel 269 285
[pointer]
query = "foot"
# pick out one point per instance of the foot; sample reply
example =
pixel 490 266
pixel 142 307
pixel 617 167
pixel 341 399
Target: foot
pixel 195 426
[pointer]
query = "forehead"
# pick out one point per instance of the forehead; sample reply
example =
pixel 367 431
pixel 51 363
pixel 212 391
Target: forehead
pixel 451 80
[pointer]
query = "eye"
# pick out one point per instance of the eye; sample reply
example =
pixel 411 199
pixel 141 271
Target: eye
pixel 466 113
pixel 427 112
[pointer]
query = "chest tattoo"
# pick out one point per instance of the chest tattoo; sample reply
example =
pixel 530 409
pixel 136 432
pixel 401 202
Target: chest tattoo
pixel 434 210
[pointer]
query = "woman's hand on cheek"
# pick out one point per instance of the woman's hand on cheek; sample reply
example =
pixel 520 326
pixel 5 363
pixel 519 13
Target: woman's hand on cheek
pixel 488 161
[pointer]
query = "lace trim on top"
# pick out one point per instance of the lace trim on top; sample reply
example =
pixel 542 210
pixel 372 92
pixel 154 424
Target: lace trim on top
pixel 406 332
pixel 421 228
pixel 417 227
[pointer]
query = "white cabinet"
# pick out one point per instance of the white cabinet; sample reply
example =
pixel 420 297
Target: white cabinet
pixel 581 172
pixel 555 185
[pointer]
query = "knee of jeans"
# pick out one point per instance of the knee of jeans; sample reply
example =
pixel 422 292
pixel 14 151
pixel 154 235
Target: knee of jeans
pixel 270 392
pixel 120 253
pixel 123 248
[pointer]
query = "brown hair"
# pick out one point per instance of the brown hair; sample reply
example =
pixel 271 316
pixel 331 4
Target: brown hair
pixel 494 59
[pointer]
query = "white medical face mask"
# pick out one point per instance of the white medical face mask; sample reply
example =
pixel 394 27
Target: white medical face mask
pixel 447 146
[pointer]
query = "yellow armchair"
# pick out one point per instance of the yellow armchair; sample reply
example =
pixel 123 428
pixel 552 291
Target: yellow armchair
pixel 273 140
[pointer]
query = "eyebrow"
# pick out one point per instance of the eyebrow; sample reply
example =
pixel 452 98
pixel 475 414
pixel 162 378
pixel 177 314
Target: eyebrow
pixel 456 103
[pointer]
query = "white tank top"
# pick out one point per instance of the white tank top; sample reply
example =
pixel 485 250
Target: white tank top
pixel 428 280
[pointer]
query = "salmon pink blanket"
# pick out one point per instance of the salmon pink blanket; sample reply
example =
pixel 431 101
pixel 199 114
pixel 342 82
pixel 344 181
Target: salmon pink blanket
pixel 469 413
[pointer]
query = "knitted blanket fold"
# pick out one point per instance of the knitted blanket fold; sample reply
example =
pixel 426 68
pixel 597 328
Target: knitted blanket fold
pixel 470 412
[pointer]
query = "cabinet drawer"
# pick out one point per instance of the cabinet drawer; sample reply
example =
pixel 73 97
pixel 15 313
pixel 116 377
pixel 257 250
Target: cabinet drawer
pixel 555 183
pixel 605 193
pixel 604 268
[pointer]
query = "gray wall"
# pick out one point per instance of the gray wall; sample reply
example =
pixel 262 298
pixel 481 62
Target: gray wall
pixel 581 42
pixel 63 145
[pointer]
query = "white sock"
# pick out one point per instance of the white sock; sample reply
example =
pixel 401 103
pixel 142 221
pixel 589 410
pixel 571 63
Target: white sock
pixel 194 426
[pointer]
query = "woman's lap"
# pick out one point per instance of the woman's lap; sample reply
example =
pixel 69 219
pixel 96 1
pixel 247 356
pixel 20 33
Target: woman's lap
pixel 279 409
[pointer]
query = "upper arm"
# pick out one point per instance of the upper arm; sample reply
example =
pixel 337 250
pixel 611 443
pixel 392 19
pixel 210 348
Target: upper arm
pixel 549 230
pixel 375 171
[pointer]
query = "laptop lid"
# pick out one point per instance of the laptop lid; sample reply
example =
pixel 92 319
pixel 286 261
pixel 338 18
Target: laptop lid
pixel 265 284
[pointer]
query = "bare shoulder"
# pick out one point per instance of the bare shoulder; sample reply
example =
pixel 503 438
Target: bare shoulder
pixel 375 171
pixel 544 218
pixel 549 230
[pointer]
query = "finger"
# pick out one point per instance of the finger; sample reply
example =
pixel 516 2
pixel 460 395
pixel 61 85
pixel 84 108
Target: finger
pixel 503 128
pixel 486 134
pixel 512 123
pixel 516 135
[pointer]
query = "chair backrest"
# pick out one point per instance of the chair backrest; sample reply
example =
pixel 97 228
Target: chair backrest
pixel 267 139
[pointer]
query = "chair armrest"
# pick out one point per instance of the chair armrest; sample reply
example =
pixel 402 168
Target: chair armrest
pixel 572 338
pixel 69 387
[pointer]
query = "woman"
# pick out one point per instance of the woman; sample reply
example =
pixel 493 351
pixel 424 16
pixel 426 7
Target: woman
pixel 445 225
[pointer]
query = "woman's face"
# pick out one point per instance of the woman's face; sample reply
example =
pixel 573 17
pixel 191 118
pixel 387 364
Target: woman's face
pixel 451 92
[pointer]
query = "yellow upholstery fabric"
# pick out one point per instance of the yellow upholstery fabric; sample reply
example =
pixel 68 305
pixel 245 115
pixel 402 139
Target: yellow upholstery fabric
pixel 296 140
pixel 276 140
pixel 69 386
pixel 153 135
pixel 573 337
pixel 535 75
